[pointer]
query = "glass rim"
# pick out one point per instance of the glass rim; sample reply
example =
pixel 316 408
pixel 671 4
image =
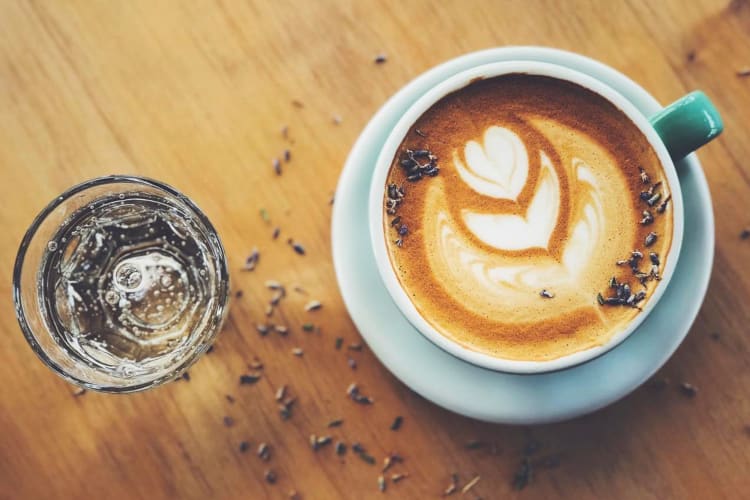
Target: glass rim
pixel 32 231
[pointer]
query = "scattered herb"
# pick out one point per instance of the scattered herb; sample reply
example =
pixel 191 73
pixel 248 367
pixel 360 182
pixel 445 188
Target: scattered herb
pixel 644 176
pixel 647 219
pixel 335 423
pixel 270 476
pixel 228 421
pixel 688 390
pixel 280 393
pixel 252 260
pixel 715 336
pixel 395 478
pixel 249 379
pixel 523 476
pixel 397 422
pixel 308 327
pixel 264 452
pixel 470 485
pixel 264 215
pixel 238 295
pixel 381 483
pixel 297 247
pixel 340 448
pixel 367 458
pixel 313 305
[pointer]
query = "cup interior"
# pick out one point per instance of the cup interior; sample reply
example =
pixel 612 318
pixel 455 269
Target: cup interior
pixel 376 213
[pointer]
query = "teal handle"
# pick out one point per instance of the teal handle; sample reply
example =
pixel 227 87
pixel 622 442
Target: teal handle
pixel 687 124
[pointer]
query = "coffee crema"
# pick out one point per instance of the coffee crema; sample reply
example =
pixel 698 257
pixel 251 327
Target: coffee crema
pixel 546 228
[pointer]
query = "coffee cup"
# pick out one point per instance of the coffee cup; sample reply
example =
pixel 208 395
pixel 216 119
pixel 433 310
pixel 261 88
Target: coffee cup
pixel 672 133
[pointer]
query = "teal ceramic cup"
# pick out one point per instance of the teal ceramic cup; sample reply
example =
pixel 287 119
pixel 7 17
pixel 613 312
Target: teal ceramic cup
pixel 675 131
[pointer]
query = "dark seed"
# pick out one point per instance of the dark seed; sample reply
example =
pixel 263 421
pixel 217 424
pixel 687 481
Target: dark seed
pixel 612 282
pixel 395 222
pixel 308 327
pixel 407 162
pixel 647 218
pixel 745 234
pixel 276 232
pixel 380 59
pixel 298 248
pixel 654 258
pixel 340 448
pixel 650 239
pixel 358 448
pixel 367 458
pixel 396 425
pixel 186 377
pixel 645 195
pixel 277 166
pixel 654 199
pixel 270 476
pixel 262 329
pixel 244 446
pixel 313 305
pixel 644 176
pixel 639 297
pixel 249 379
pixel 228 421
pixel 238 295
pixel 415 177
pixel 688 390
pixel 287 155
pixel 419 153
pixel 336 423
pixel 663 205
pixel 339 343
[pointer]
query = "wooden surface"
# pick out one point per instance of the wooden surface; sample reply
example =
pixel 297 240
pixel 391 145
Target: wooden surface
pixel 195 94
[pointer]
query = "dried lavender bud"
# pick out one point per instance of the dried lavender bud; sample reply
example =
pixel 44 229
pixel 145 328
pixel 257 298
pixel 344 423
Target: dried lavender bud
pixel 650 239
pixel 249 379
pixel 644 176
pixel 403 230
pixel 396 425
pixel 654 258
pixel 647 218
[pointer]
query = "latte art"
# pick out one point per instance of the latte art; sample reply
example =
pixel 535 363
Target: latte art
pixel 528 198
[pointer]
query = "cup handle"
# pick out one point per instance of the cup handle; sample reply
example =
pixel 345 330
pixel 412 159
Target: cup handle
pixel 687 124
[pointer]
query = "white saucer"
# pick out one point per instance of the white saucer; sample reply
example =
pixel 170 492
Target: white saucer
pixel 484 394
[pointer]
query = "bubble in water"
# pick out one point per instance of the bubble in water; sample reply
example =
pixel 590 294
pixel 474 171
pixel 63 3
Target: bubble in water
pixel 128 276
pixel 52 246
pixel 160 308
pixel 165 280
pixel 111 297
pixel 121 196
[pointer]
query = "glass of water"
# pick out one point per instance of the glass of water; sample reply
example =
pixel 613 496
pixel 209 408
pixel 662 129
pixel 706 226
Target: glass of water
pixel 120 284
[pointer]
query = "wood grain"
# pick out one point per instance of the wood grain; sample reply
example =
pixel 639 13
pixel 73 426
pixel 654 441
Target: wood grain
pixel 195 94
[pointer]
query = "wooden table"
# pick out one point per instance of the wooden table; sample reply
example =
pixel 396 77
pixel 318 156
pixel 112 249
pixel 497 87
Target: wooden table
pixel 196 94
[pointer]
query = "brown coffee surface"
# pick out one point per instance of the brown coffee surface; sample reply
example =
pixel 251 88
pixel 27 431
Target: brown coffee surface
pixel 539 195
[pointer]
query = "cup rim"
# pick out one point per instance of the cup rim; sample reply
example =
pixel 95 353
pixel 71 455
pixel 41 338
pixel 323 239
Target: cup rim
pixel 378 236
pixel 26 328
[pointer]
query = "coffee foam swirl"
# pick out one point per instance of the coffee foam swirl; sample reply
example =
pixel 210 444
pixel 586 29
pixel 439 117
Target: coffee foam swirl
pixel 529 198
pixel 473 250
